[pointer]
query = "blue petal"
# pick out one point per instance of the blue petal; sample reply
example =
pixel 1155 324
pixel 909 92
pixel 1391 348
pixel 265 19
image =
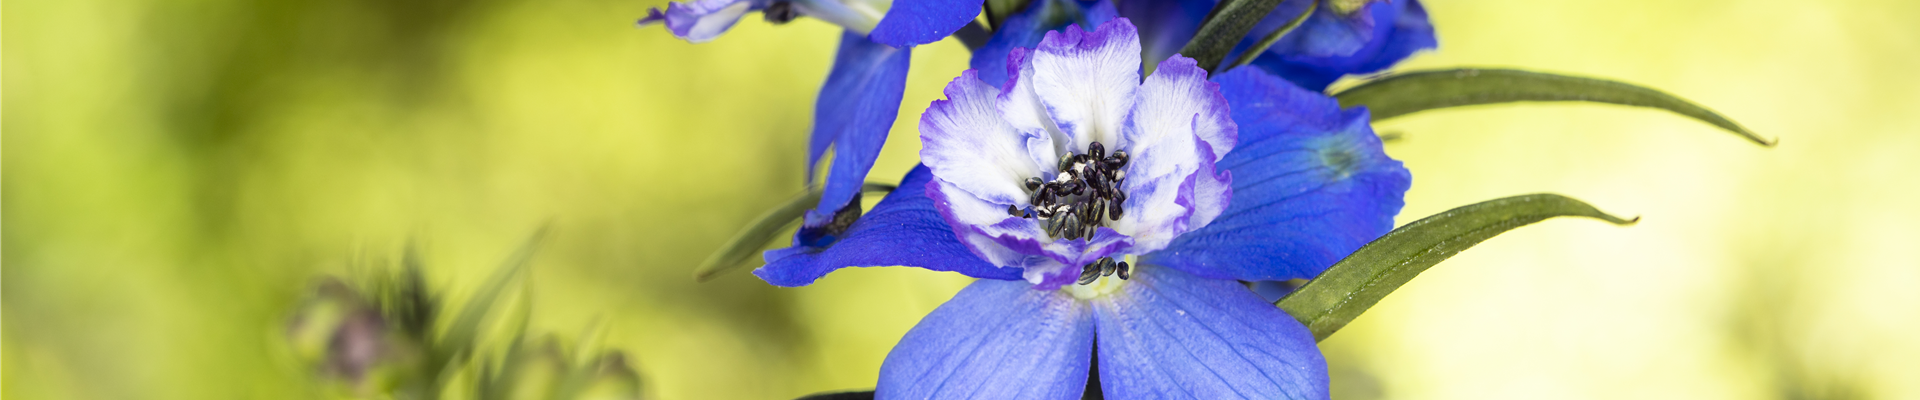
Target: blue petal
pixel 1166 26
pixel 1028 27
pixel 994 340
pixel 1310 185
pixel 916 22
pixel 1169 335
pixel 854 112
pixel 1400 28
pixel 1326 33
pixel 903 229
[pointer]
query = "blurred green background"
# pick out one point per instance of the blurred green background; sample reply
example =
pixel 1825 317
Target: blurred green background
pixel 177 172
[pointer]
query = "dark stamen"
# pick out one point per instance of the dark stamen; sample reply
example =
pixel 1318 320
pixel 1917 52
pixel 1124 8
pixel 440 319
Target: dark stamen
pixel 1105 266
pixel 1082 197
pixel 1113 209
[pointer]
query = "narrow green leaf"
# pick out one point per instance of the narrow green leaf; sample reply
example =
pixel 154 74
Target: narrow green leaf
pixel 1412 92
pixel 747 244
pixel 466 326
pixel 1350 286
pixel 1229 22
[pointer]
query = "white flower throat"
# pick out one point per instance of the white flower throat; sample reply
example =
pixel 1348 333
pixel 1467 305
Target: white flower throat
pixel 1082 197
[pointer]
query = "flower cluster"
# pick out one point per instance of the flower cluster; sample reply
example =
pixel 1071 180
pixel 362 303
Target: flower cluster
pixel 1112 196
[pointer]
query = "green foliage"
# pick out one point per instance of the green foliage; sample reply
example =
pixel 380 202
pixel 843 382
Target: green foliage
pixel 1355 283
pixel 750 240
pixel 1412 92
pixel 460 335
pixel 377 339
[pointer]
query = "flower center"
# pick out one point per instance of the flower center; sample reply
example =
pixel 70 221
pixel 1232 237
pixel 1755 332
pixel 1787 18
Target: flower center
pixel 1080 199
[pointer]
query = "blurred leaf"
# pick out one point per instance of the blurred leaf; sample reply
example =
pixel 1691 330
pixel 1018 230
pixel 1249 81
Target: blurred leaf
pixel 466 327
pixel 612 379
pixel 747 244
pixel 1247 57
pixel 581 365
pixel 1229 22
pixel 853 395
pixel 1412 92
pixel 1355 283
pixel 412 305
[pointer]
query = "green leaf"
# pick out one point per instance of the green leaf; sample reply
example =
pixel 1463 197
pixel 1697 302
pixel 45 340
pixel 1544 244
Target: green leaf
pixel 1412 92
pixel 1355 283
pixel 466 327
pixel 747 244
pixel 1229 22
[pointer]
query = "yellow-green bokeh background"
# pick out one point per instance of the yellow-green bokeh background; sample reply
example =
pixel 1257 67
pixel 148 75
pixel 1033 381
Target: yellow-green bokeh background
pixel 177 172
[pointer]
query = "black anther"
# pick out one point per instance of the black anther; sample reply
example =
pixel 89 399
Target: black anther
pixel 1124 273
pixel 1097 151
pixel 1088 274
pixel 1071 226
pixel 1034 183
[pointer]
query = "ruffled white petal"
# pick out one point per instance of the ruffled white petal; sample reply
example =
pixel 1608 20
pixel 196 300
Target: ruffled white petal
pixel 968 145
pixel 1087 81
pixel 1180 127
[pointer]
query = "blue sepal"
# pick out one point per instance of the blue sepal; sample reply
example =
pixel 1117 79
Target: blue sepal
pixel 915 22
pixel 1169 335
pixel 1400 28
pixel 853 114
pixel 994 340
pixel 903 229
pixel 1311 184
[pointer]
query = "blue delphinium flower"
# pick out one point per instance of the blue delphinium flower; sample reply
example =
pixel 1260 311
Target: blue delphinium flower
pixel 861 97
pixel 1326 46
pixel 1104 213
